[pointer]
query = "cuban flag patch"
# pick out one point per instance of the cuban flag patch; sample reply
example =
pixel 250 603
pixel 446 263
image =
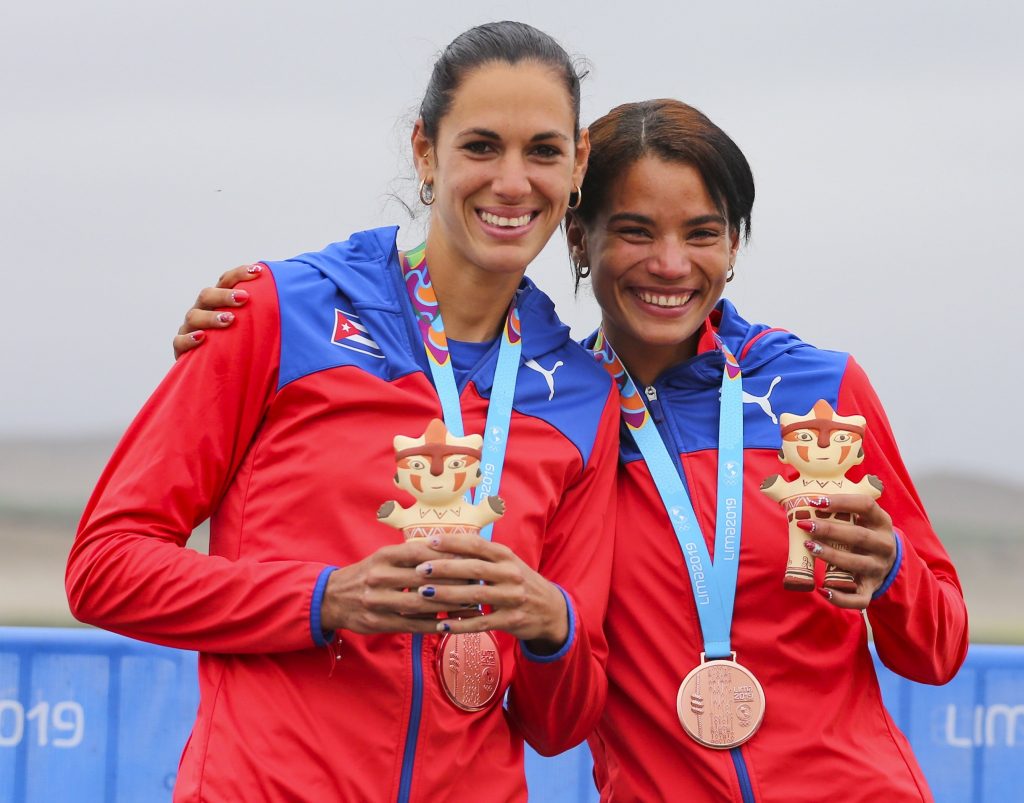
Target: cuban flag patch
pixel 349 333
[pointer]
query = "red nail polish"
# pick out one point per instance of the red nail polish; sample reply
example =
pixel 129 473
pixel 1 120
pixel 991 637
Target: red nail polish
pixel 257 268
pixel 806 526
pixel 225 317
pixel 821 501
pixel 239 296
pixel 826 593
pixel 198 337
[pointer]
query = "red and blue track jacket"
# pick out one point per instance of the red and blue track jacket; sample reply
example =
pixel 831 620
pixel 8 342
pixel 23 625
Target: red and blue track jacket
pixel 282 433
pixel 826 734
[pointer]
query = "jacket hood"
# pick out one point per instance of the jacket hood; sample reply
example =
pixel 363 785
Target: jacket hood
pixel 358 265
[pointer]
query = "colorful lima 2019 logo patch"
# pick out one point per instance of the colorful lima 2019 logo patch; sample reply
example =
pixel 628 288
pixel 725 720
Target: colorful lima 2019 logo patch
pixel 349 333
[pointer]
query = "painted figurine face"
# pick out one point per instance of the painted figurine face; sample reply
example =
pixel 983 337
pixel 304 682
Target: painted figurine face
pixel 659 254
pixel 437 468
pixel 822 444
pixel 502 167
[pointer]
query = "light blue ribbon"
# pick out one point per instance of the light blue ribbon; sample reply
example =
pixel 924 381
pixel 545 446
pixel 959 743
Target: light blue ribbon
pixel 714 584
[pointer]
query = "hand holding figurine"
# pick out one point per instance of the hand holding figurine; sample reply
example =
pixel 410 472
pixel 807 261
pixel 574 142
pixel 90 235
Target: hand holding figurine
pixel 437 469
pixel 372 596
pixel 522 602
pixel 867 545
pixel 822 446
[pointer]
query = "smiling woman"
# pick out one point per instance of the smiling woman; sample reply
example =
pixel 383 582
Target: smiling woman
pixel 721 682
pixel 665 253
pixel 497 169
pixel 337 662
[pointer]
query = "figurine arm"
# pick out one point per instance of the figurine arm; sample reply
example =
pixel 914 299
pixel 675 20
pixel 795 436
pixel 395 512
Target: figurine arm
pixel 918 617
pixel 870 486
pixel 774 487
pixel 394 515
pixel 488 511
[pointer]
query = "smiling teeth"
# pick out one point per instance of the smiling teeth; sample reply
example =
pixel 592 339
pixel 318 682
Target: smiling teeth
pixel 664 301
pixel 506 222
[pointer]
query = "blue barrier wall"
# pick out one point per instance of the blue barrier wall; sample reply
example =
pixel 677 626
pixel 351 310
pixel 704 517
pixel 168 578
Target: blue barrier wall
pixel 89 717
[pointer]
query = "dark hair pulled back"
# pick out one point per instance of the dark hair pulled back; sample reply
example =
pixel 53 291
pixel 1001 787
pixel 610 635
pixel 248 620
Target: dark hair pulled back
pixel 509 42
pixel 675 132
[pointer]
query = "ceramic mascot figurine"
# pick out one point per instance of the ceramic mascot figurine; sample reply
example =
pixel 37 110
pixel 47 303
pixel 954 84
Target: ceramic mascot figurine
pixel 822 446
pixel 437 469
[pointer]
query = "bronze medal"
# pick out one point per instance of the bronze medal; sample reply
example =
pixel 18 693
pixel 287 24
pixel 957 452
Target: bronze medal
pixel 720 703
pixel 469 668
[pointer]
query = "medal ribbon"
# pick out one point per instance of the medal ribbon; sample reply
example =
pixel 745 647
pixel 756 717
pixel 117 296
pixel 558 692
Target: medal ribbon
pixel 499 410
pixel 714 584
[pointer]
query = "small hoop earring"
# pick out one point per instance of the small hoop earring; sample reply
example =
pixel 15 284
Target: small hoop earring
pixel 426 193
pixel 729 276
pixel 579 197
pixel 582 271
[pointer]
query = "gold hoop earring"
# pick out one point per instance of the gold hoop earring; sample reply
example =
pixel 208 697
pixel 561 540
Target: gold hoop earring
pixel 729 276
pixel 579 197
pixel 426 193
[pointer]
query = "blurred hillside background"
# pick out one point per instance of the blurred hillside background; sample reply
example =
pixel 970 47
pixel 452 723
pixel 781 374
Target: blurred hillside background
pixel 45 485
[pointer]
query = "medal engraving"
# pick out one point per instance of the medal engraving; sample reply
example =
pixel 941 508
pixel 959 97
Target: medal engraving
pixel 720 704
pixel 469 667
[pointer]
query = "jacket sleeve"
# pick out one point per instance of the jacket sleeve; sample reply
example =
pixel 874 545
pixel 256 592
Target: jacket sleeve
pixel 918 617
pixel 129 570
pixel 557 700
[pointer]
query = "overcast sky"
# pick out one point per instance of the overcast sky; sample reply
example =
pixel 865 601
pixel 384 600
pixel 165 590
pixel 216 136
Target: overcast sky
pixel 147 146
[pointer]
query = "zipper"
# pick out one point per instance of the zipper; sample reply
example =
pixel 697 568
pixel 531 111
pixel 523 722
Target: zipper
pixel 415 713
pixel 658 414
pixel 416 708
pixel 654 405
pixel 742 775
pixel 664 430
